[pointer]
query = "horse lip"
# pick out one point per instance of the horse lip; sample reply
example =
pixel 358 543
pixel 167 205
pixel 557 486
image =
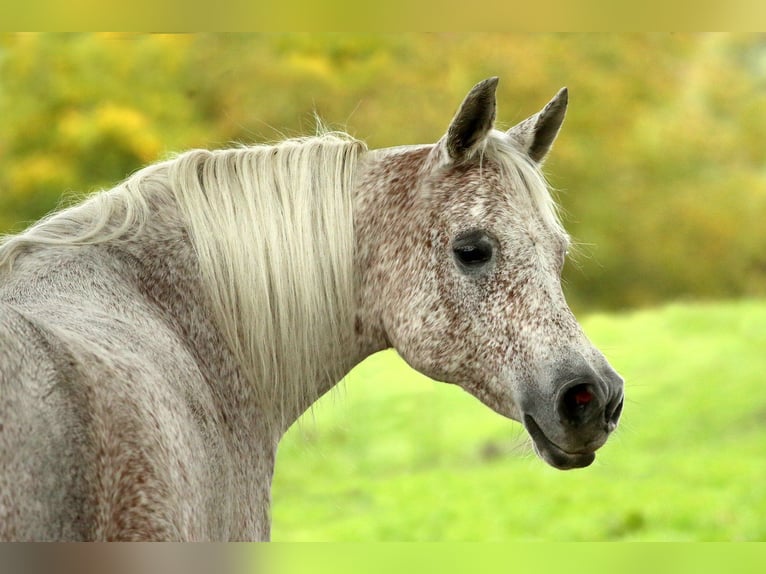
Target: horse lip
pixel 552 453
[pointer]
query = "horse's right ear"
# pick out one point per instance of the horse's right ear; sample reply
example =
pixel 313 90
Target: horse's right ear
pixel 473 120
pixel 536 134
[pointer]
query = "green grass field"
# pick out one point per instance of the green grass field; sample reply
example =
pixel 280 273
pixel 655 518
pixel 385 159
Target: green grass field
pixel 391 455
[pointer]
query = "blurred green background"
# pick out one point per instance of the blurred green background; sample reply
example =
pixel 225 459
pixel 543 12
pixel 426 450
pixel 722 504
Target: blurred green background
pixel 661 173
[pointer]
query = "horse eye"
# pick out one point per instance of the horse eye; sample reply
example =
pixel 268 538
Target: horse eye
pixel 473 249
pixel 473 254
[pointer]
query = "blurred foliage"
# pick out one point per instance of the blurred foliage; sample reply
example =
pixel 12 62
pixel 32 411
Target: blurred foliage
pixel 660 166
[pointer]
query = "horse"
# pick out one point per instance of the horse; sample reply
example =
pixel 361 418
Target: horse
pixel 158 338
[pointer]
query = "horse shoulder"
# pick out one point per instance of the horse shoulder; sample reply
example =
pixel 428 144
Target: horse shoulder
pixel 115 405
pixel 43 436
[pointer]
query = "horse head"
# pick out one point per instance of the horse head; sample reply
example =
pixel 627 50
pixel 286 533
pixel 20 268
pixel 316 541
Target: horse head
pixel 460 253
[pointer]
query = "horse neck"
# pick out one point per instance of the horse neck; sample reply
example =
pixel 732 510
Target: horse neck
pixel 382 198
pixel 163 266
pixel 383 202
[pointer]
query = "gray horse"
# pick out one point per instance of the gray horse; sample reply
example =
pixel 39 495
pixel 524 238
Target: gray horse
pixel 158 339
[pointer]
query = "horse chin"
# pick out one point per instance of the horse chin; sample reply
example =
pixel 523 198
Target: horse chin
pixel 553 454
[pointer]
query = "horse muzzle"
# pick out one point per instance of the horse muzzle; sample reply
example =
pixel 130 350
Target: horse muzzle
pixel 585 410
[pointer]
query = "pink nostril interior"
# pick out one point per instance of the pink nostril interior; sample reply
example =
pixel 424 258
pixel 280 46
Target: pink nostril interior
pixel 582 397
pixel 579 404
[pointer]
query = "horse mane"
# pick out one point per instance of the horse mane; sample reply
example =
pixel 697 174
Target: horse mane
pixel 272 227
pixel 276 256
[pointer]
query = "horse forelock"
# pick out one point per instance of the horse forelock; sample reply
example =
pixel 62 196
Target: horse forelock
pixel 525 176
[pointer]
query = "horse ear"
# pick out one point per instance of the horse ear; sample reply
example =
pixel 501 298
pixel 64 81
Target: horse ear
pixel 537 133
pixel 473 120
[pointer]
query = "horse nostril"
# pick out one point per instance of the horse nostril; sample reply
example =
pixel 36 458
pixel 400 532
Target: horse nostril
pixel 577 402
pixel 613 412
pixel 582 397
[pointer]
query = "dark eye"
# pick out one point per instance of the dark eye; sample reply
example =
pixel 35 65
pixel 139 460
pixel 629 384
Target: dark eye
pixel 473 250
pixel 472 255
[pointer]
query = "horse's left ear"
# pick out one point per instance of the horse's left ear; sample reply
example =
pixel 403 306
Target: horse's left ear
pixel 473 120
pixel 537 133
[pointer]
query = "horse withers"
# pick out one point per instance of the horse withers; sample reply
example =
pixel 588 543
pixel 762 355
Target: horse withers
pixel 158 339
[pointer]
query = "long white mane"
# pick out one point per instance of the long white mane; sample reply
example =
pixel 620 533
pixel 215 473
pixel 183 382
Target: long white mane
pixel 273 230
pixel 272 227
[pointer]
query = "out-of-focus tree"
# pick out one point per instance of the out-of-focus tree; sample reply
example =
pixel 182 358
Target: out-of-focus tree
pixel 80 112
